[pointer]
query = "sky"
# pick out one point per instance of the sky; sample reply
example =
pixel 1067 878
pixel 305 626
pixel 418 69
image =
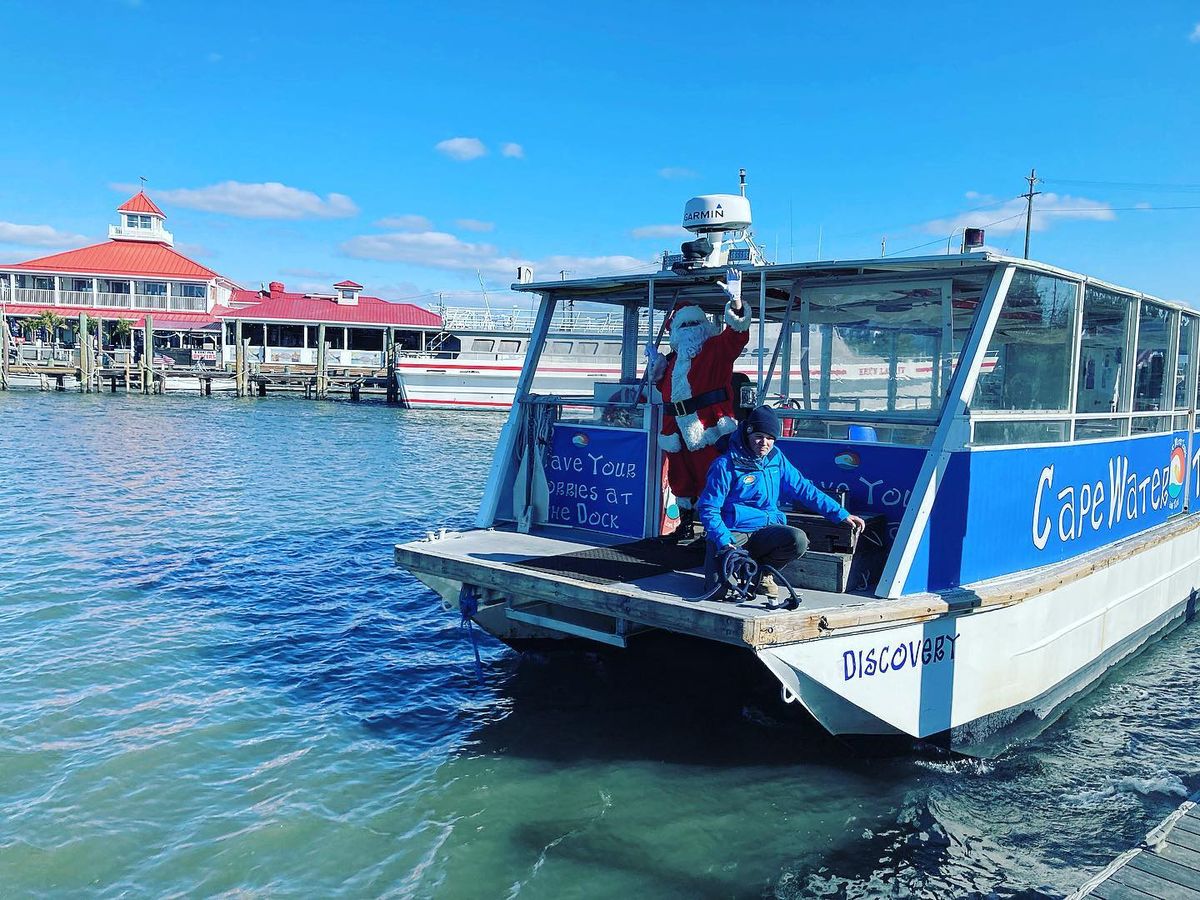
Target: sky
pixel 421 149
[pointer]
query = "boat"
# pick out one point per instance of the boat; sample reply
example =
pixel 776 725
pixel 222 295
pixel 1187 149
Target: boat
pixel 1023 447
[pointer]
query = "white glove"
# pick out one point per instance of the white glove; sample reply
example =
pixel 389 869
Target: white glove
pixel 732 286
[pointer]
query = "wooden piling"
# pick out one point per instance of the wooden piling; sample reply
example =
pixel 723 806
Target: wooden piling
pixel 148 355
pixel 393 389
pixel 238 383
pixel 322 357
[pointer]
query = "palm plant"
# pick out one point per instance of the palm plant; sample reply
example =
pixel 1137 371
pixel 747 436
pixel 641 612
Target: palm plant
pixel 50 321
pixel 122 330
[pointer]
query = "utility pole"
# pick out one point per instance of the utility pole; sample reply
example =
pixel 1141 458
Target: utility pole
pixel 883 246
pixel 1032 179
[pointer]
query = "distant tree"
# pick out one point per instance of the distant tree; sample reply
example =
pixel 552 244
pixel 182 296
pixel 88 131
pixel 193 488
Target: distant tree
pixel 49 320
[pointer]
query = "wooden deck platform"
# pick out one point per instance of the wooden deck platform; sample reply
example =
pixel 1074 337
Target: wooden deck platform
pixel 489 560
pixel 1166 866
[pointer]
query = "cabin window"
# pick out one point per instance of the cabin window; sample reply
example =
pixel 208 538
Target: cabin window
pixel 559 348
pixel 1183 363
pixel 109 286
pixel 81 284
pixel 587 348
pixel 990 433
pixel 1102 353
pixel 191 290
pixel 1032 347
pixel 41 283
pixel 366 339
pixel 875 346
pixel 483 345
pixel 255 332
pixel 1155 327
pixel 154 288
pixel 335 338
pixel 510 346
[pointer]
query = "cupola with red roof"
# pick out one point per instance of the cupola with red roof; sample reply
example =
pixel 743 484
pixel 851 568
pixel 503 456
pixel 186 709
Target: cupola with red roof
pixel 346 292
pixel 141 220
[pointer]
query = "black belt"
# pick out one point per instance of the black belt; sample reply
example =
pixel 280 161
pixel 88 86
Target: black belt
pixel 691 404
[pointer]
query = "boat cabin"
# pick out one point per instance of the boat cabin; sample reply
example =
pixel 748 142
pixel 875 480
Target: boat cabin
pixel 957 397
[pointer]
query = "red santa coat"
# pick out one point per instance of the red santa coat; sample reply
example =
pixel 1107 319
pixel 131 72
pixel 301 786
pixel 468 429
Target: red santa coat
pixel 709 370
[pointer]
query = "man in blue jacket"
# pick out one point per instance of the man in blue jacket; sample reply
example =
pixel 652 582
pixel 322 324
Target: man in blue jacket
pixel 739 506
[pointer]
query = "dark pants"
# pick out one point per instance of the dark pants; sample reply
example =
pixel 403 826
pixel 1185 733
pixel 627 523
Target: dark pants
pixel 775 545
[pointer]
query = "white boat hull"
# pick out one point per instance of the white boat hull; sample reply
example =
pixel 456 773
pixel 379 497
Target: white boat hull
pixel 970 674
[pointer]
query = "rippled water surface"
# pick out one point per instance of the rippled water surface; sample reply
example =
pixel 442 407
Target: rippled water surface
pixel 214 680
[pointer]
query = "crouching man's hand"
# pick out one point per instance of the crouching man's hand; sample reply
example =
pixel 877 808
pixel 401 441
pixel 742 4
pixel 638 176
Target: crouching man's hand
pixel 857 524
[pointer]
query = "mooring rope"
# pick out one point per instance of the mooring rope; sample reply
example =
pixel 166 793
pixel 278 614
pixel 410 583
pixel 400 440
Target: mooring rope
pixel 738 576
pixel 468 606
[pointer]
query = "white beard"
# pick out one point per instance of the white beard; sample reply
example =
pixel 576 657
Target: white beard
pixel 686 342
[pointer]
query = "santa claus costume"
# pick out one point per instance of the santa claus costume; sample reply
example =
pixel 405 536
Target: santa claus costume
pixel 698 400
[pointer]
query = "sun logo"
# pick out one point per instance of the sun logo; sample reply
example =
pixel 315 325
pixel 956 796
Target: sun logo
pixel 1178 468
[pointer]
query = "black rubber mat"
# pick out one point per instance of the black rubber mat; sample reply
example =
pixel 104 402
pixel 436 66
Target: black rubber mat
pixel 624 562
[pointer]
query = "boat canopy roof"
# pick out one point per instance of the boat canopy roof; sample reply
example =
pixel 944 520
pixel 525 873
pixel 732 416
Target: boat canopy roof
pixel 701 287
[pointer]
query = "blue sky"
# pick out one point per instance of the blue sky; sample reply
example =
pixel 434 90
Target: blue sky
pixel 417 148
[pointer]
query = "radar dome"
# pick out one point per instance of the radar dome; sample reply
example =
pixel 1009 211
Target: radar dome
pixel 716 212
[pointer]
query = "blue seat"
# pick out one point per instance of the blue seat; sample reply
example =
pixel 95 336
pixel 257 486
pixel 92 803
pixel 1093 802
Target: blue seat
pixel 864 433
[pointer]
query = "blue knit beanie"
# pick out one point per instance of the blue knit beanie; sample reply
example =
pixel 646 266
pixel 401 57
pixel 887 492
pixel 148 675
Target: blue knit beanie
pixel 762 421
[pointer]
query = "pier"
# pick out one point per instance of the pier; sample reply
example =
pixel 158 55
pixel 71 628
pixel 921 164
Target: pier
pixel 1166 866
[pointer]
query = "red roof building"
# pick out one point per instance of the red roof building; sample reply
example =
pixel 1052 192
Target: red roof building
pixel 138 274
pixel 137 271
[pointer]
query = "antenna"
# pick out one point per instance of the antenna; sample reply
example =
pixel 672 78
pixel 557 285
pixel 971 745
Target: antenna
pixel 1032 179
pixel 486 302
pixel 742 181
pixel 142 179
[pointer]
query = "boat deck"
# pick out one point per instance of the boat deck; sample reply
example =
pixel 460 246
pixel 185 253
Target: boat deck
pixel 1167 865
pixel 536 567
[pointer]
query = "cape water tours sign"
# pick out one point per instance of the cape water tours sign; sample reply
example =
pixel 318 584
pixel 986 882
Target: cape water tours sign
pixel 1095 504
pixel 597 479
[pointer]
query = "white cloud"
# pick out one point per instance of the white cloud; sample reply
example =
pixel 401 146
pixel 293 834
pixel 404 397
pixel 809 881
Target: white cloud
pixel 1010 215
pixel 513 151
pixel 659 231
pixel 1142 204
pixel 1194 37
pixel 39 236
pixel 676 173
pixel 475 225
pixel 462 148
pixel 408 222
pixel 438 250
pixel 269 200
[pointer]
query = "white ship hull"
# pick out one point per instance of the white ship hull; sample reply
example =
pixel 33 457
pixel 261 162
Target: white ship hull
pixel 974 673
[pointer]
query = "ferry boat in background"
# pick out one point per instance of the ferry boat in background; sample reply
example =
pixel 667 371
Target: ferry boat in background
pixel 1032 495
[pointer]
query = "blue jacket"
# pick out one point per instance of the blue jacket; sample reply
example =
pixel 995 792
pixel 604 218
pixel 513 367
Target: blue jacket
pixel 743 493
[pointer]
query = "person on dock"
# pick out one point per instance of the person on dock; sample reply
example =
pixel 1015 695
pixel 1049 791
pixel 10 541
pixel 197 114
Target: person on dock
pixel 698 399
pixel 739 506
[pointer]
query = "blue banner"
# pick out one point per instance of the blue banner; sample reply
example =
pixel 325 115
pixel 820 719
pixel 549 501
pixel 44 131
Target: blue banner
pixel 597 478
pixel 1004 511
pixel 876 478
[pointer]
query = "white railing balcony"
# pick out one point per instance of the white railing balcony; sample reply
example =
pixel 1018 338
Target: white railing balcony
pixel 123 233
pixel 76 298
pixel 40 296
pixel 120 301
pixel 190 304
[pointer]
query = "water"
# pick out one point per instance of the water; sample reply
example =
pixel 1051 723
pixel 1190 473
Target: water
pixel 214 680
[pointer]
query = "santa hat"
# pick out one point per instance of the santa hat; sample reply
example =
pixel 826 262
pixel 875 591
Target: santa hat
pixel 685 313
